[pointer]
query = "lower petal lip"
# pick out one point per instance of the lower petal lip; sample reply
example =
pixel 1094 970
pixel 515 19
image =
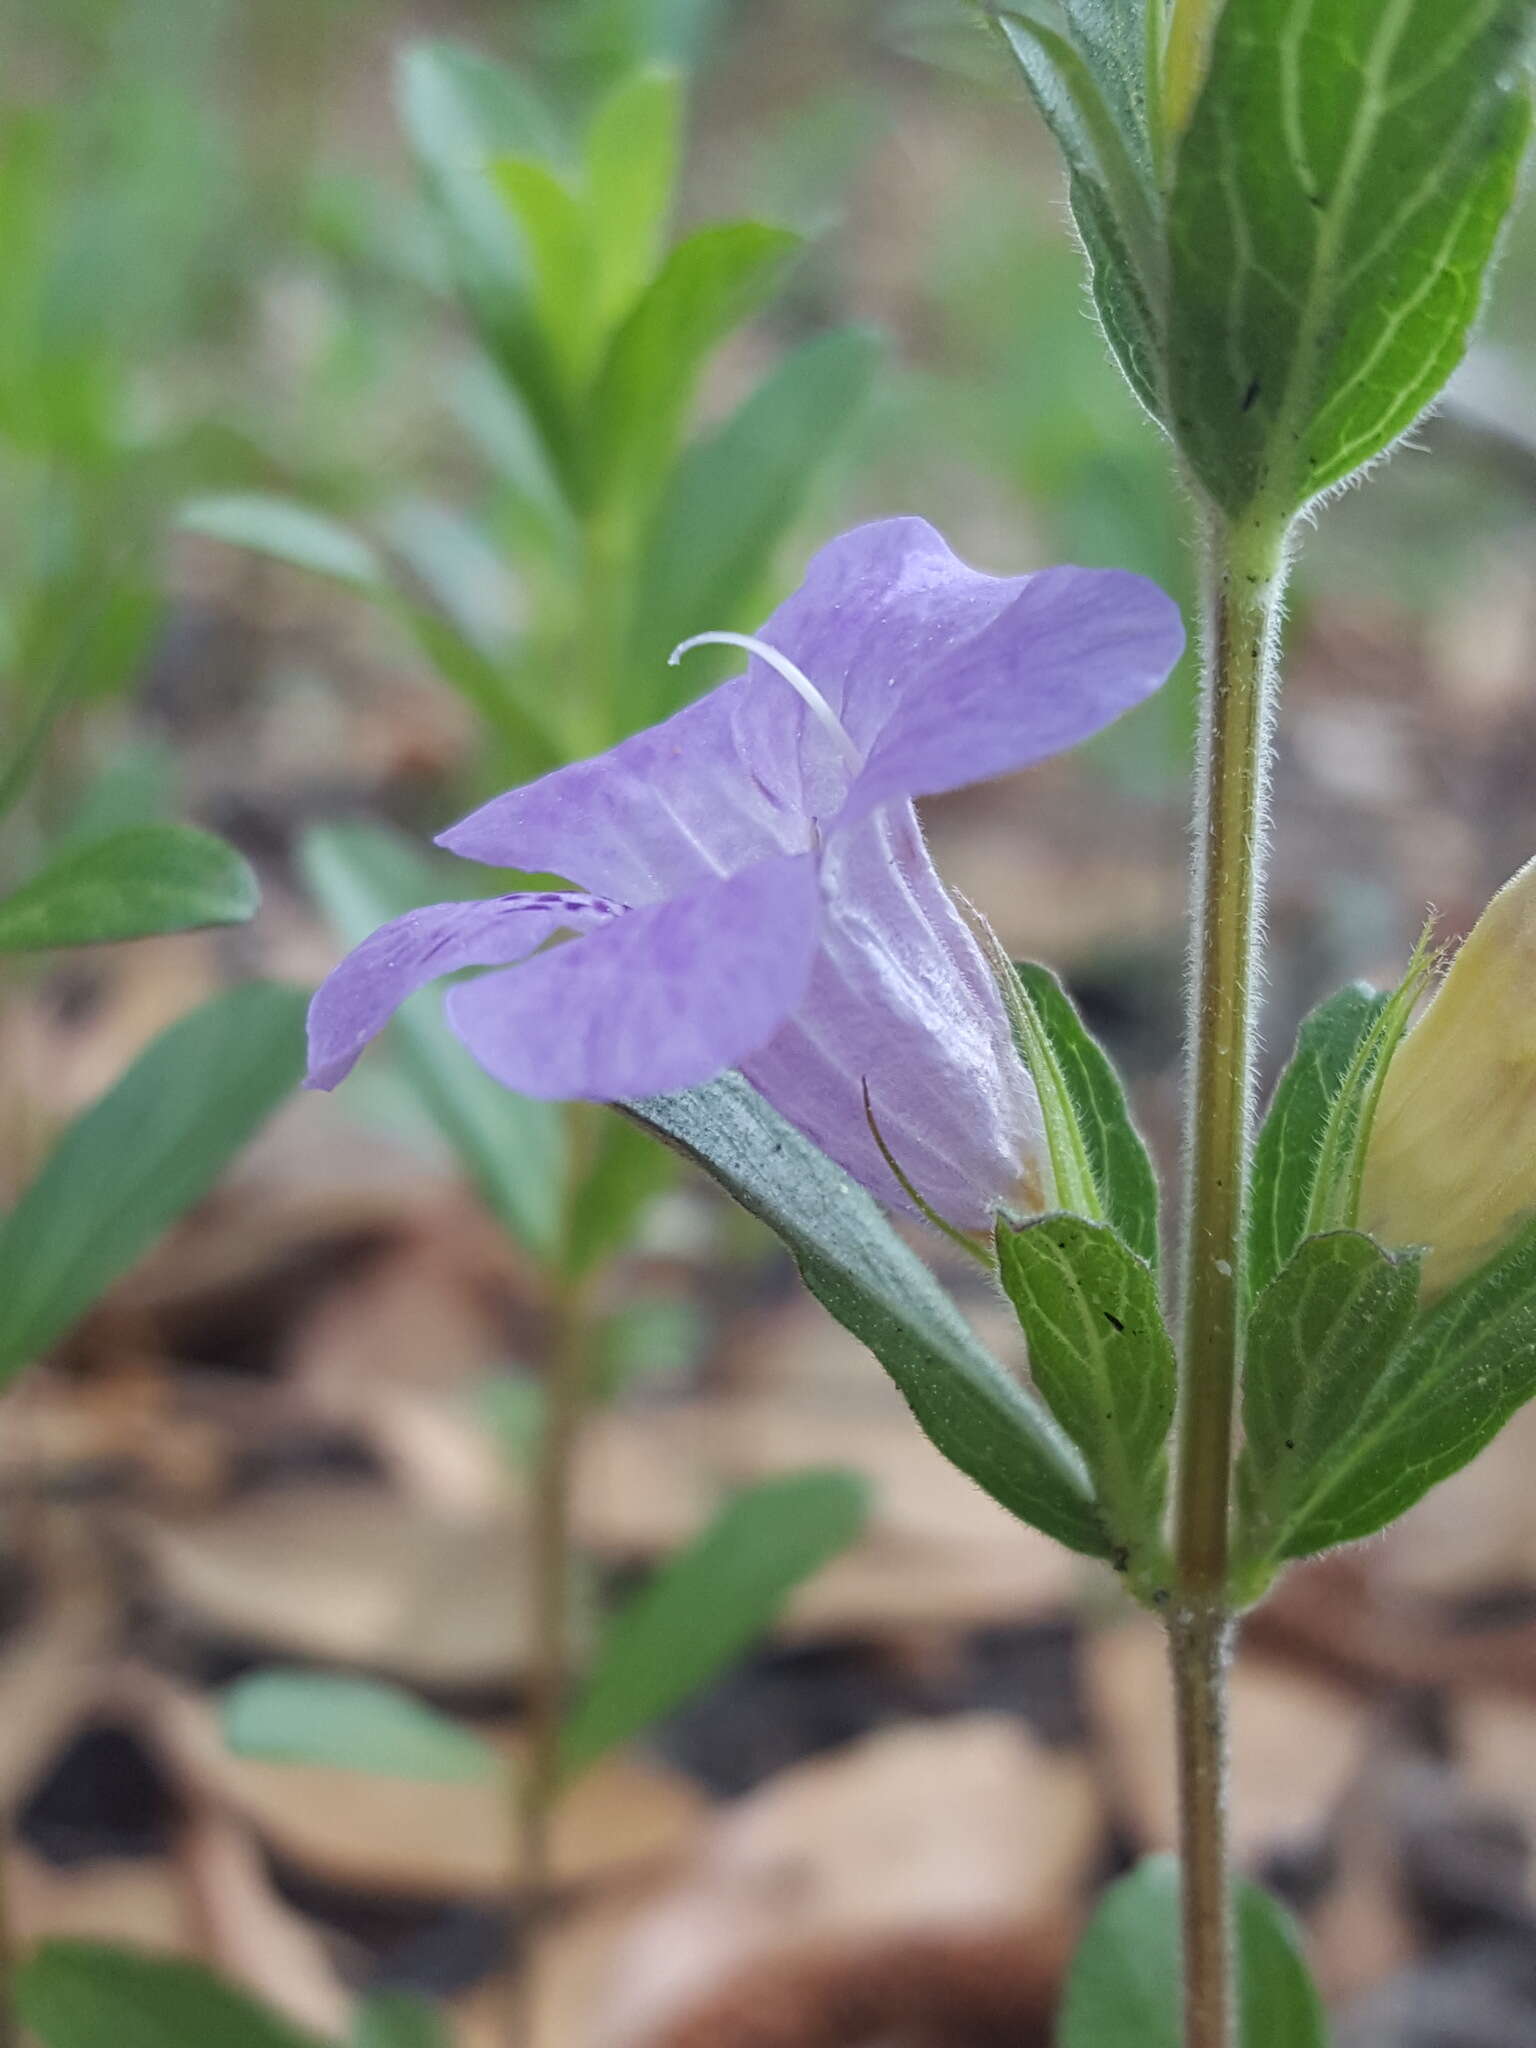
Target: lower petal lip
pixel 664 998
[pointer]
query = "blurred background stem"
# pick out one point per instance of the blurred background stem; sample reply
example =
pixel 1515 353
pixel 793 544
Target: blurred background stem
pixel 550 1585
pixel 1245 569
pixel 10 2026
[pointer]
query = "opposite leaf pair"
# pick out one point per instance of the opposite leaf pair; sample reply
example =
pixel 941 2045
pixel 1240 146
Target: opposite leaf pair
pixel 1375 1364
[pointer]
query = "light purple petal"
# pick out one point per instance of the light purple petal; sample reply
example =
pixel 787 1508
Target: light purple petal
pixel 881 614
pixel 901 998
pixel 665 998
pixel 662 811
pixel 356 1001
pixel 1071 651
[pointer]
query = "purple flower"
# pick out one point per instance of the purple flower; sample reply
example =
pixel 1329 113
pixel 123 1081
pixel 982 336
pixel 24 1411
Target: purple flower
pixel 761 896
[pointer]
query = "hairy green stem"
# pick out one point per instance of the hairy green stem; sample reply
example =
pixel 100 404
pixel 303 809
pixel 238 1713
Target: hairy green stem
pixel 1198 1644
pixel 550 1555
pixel 1245 570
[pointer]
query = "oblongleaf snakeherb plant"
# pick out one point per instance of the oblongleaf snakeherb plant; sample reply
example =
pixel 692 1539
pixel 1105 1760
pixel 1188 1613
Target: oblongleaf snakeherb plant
pixel 1288 208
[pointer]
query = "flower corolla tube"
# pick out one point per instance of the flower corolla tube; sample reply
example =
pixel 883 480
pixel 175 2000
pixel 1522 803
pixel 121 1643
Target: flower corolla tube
pixel 751 889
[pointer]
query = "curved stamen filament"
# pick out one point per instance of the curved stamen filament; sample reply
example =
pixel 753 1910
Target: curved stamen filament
pixel 798 681
pixel 963 1239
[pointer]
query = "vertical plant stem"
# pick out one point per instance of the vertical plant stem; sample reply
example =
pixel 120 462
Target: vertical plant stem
pixel 10 2025
pixel 550 1586
pixel 1198 1643
pixel 1245 567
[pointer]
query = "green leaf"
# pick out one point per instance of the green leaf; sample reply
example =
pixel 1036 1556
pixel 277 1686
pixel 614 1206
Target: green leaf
pixel 462 112
pixel 1071 1182
pixel 647 1340
pixel 730 500
pixel 82 1994
pixel 624 1170
pixel 463 570
pixel 511 1147
pixel 1117 1157
pixel 1285 1158
pixel 708 1603
pixel 708 285
pixel 561 260
pixel 674 31
pixel 632 157
pixel 865 1276
pixel 1341 1160
pixel 1088 63
pixel 137 1159
pixel 497 419
pixel 1123 1990
pixel 395 2019
pixel 289 533
pixel 1467 1365
pixel 1337 199
pixel 1320 1339
pixel 1102 1359
pixel 624 33
pixel 349 1724
pixel 149 879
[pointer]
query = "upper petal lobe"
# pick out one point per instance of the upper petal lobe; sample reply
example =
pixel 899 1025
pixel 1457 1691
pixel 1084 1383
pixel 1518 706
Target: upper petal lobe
pixel 660 812
pixel 1070 651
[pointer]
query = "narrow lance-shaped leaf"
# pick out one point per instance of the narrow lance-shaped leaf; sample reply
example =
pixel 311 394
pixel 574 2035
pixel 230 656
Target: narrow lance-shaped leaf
pixel 1074 1187
pixel 865 1276
pixel 1320 1339
pixel 1118 1159
pixel 512 1148
pixel 708 285
pixel 707 1604
pixel 632 152
pixel 310 540
pixel 396 2019
pixel 1338 196
pixel 345 1723
pixel 1335 1203
pixel 1092 66
pixel 461 111
pixel 290 533
pixel 561 261
pixel 83 1994
pixel 673 31
pixel 146 880
pixel 1465 1367
pixel 132 1163
pixel 1102 1359
pixel 1290 1143
pixel 1124 1986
